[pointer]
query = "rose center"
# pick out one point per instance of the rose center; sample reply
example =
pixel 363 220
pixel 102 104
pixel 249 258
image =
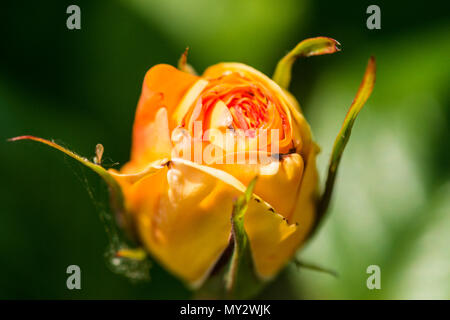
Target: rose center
pixel 249 105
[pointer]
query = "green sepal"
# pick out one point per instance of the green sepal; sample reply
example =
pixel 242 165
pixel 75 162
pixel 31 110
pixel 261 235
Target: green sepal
pixel 115 191
pixel 183 65
pixel 241 281
pixel 311 266
pixel 235 277
pixel 116 198
pixel 364 91
pixel 306 48
pixel 122 258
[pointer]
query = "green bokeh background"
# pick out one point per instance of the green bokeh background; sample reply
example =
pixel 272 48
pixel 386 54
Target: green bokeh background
pixel 391 206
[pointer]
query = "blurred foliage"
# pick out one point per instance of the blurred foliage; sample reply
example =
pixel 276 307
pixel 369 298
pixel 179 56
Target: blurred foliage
pixel 391 205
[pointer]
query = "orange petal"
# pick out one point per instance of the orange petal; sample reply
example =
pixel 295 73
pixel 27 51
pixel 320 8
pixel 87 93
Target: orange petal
pixel 300 129
pixel 151 142
pixel 164 87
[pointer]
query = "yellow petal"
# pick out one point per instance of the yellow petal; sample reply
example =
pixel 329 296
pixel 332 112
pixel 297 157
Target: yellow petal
pixel 183 218
pixel 278 180
pixel 188 99
pixel 270 237
pixel 273 243
pixel 305 209
pixel 220 116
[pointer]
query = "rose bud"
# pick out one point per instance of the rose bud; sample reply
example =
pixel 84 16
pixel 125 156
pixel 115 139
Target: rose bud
pixel 198 142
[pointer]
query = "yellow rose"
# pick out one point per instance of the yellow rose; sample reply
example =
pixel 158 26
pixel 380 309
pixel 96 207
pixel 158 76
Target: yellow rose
pixel 198 141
